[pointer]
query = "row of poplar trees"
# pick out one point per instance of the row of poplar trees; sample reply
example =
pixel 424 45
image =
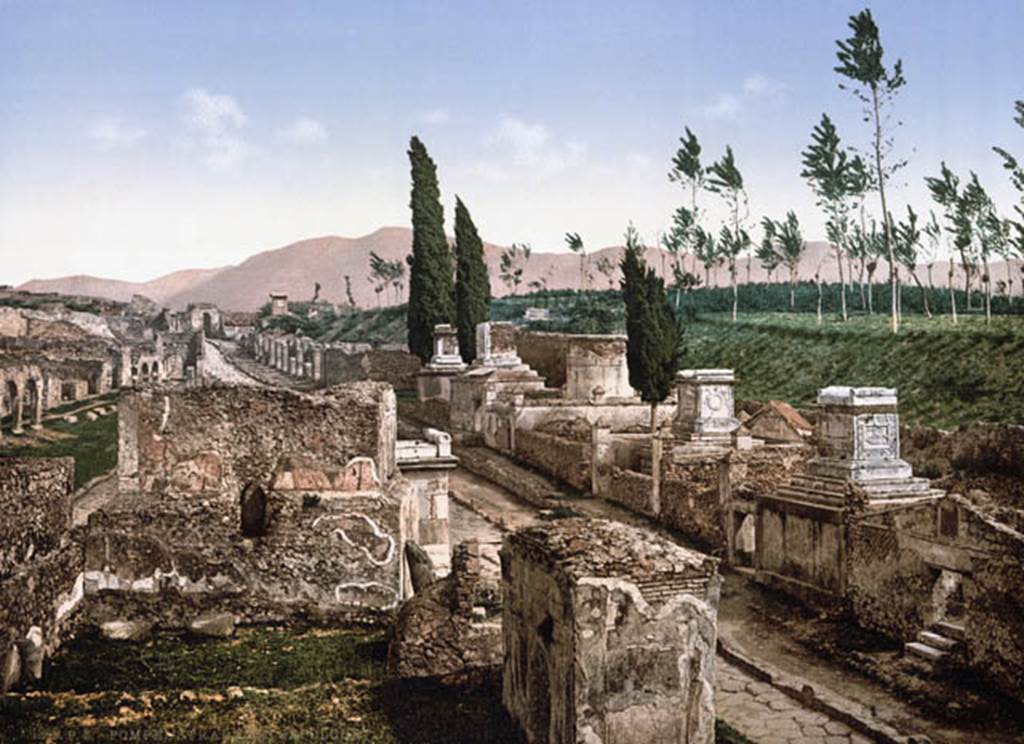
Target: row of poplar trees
pixel 443 288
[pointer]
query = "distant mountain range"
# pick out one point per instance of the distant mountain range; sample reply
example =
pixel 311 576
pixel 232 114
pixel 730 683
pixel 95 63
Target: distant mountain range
pixel 297 267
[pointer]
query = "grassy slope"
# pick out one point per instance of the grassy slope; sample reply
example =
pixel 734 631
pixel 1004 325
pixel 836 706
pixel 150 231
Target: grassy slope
pixel 946 375
pixel 264 685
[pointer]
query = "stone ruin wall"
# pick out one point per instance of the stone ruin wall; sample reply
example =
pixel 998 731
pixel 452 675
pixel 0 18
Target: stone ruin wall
pixel 609 635
pixel 221 438
pixel 171 545
pixel 564 459
pixel 894 563
pixel 40 562
pixel 397 368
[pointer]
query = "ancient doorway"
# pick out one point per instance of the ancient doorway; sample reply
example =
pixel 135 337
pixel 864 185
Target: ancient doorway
pixel 207 324
pixel 34 402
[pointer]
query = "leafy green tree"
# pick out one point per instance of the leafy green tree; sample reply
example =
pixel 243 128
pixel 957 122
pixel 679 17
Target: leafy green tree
pixel 431 300
pixel 513 264
pixel 875 86
pixel 472 281
pixel 725 179
pixel 654 345
pixel 945 191
pixel 827 170
pixel 767 256
pixel 934 233
pixel 788 244
pixel 705 248
pixel 690 174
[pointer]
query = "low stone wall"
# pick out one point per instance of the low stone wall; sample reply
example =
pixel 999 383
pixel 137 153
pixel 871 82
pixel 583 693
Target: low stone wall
pixel 691 501
pixel 564 459
pixel 631 489
pixel 397 368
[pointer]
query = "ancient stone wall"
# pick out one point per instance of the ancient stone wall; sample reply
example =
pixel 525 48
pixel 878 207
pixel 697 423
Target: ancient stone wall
pixel 564 459
pixel 221 438
pixel 609 635
pixel 631 489
pixel 35 500
pixel 691 500
pixel 898 562
pixel 397 368
pixel 40 562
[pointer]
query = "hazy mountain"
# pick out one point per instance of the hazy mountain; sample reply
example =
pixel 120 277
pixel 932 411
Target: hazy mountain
pixel 297 267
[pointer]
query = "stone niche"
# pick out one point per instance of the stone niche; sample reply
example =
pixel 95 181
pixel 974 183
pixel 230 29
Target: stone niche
pixel 802 526
pixel 705 408
pixel 609 635
pixel 596 368
pixel 434 381
pixel 425 463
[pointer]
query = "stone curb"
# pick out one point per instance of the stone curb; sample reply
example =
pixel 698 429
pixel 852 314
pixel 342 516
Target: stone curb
pixel 858 717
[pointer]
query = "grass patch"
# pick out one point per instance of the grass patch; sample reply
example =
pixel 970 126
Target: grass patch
pixel 93 445
pixel 263 685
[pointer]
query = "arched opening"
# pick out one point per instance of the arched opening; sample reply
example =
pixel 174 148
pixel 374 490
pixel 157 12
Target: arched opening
pixel 208 324
pixel 156 370
pixel 255 515
pixel 145 370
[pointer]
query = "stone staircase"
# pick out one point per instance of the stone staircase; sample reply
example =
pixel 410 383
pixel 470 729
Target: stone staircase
pixel 932 646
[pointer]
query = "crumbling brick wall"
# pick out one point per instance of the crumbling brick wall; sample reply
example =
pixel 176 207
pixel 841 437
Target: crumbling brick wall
pixel 631 489
pixel 691 500
pixel 397 368
pixel 564 459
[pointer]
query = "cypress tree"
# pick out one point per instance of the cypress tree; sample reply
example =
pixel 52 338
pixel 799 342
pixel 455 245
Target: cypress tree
pixel 472 281
pixel 654 337
pixel 430 265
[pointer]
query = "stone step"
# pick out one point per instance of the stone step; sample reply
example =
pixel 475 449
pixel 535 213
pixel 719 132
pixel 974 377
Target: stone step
pixel 935 640
pixel 924 651
pixel 949 629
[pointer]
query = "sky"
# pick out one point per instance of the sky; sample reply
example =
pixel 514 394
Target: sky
pixel 138 138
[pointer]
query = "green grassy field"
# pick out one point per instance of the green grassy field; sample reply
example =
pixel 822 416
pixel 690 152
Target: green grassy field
pixel 93 444
pixel 264 685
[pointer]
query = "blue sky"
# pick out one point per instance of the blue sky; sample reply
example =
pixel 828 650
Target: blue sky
pixel 137 138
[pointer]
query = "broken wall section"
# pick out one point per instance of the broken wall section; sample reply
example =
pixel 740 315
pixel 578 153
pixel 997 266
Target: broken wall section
pixel 267 503
pixel 40 563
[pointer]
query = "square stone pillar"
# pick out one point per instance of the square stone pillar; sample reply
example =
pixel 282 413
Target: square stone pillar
pixel 609 635
pixel 705 406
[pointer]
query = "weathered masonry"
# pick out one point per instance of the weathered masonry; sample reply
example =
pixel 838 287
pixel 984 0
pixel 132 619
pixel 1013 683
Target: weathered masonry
pixel 609 635
pixel 259 502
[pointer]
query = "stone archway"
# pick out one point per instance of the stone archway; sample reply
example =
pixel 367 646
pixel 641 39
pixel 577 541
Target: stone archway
pixel 145 370
pixel 155 370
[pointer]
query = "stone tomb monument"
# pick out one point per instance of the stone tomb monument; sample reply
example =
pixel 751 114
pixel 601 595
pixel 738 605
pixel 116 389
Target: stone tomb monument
pixel 705 410
pixel 609 635
pixel 801 528
pixel 434 381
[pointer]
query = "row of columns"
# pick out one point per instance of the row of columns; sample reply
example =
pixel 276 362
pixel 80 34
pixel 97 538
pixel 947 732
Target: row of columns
pixel 16 399
pixel 288 355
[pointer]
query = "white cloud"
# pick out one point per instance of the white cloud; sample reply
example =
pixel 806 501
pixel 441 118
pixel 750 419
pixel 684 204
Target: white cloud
pixel 305 131
pixel 435 116
pixel 112 133
pixel 724 106
pixel 215 120
pixel 525 139
pixel 762 85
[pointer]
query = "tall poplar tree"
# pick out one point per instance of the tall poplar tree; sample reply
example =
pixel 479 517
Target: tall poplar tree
pixel 875 86
pixel 472 281
pixel 430 265
pixel 654 336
